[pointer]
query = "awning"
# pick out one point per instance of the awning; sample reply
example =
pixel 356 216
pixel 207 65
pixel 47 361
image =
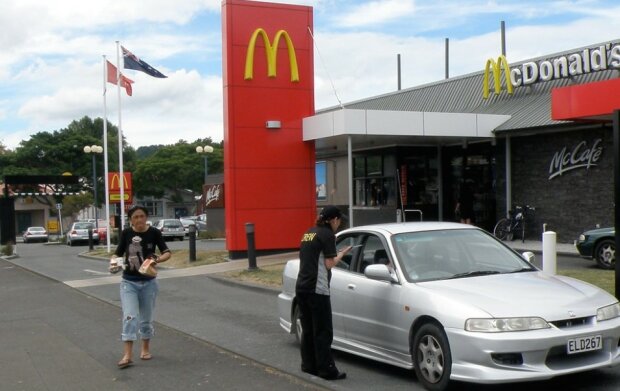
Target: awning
pixel 400 125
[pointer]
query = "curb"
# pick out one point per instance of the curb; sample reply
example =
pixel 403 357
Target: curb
pixel 245 284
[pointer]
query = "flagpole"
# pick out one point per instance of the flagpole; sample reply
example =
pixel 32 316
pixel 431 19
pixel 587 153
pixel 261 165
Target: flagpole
pixel 120 137
pixel 105 153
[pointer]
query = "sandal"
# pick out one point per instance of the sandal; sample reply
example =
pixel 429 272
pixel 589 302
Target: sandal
pixel 146 356
pixel 124 363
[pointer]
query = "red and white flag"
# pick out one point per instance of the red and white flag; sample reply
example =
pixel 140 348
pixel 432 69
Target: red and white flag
pixel 125 82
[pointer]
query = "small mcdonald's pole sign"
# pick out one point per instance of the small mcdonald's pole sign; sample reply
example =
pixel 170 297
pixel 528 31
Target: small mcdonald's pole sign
pixel 114 180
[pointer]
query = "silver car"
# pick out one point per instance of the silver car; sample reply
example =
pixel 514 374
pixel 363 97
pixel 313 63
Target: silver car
pixel 454 303
pixel 35 234
pixel 170 228
pixel 78 233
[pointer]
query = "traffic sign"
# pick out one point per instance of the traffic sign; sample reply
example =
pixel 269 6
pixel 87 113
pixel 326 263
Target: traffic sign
pixel 59 206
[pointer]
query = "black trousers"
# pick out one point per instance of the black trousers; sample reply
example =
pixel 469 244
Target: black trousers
pixel 317 334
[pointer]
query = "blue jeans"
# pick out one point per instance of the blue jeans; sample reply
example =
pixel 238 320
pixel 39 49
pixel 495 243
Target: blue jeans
pixel 138 303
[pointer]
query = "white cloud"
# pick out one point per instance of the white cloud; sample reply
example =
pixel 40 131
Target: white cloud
pixel 377 12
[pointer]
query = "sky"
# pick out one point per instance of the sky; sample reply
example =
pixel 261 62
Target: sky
pixel 51 55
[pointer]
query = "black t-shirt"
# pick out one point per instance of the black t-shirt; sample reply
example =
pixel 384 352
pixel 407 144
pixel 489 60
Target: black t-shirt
pixel 136 247
pixel 317 244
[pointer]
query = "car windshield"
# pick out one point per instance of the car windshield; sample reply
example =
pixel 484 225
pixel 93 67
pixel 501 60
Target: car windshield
pixel 446 254
pixel 83 226
pixel 36 229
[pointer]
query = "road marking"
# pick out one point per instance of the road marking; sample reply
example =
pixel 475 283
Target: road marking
pixel 175 273
pixel 96 272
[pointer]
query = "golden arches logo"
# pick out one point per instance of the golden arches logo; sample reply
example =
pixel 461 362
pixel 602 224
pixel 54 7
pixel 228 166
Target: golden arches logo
pixel 115 181
pixel 271 51
pixel 496 67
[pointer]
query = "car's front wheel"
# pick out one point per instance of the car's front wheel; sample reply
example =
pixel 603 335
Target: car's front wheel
pixel 431 357
pixel 605 254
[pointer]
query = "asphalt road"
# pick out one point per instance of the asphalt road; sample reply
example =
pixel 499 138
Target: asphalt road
pixel 244 320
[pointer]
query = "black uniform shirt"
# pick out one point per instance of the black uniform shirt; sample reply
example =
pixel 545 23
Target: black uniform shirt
pixel 317 244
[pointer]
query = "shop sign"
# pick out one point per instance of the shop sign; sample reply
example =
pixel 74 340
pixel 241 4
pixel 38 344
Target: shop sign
pixel 579 157
pixel 606 56
pixel 214 195
pixel 271 51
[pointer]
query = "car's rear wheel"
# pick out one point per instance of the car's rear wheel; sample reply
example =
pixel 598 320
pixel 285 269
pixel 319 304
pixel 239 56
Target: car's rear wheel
pixel 296 324
pixel 432 360
pixel 605 254
pixel 502 229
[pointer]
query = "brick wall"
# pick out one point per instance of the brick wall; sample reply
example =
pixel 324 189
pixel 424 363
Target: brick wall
pixel 573 202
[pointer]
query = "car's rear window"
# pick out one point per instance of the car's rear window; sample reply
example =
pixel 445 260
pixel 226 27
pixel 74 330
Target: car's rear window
pixel 83 225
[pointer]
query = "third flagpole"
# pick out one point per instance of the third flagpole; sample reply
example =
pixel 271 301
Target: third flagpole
pixel 120 137
pixel 105 153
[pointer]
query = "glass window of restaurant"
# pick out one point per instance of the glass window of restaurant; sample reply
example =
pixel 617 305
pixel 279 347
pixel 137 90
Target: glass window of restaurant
pixel 374 180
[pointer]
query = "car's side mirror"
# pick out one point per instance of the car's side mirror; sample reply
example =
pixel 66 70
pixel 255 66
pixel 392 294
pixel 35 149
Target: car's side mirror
pixel 379 272
pixel 528 256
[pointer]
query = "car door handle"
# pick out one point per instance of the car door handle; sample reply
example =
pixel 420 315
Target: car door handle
pixel 351 287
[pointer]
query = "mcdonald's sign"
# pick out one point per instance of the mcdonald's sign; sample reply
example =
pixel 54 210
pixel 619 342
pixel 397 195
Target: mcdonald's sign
pixel 114 182
pixel 496 67
pixel 271 51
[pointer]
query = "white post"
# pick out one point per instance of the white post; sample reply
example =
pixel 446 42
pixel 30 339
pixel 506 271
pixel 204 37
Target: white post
pixel 549 253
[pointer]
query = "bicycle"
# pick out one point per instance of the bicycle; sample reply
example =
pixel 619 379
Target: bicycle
pixel 515 222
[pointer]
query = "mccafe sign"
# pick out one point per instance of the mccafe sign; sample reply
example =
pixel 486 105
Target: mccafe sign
pixel 588 60
pixel 581 155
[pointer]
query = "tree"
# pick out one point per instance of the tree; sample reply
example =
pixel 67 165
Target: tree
pixel 62 151
pixel 175 167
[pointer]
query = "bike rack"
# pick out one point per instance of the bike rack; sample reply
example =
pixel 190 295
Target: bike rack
pixel 413 210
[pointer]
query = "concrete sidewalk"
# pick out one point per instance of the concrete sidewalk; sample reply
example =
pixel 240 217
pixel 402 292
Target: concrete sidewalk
pixel 537 247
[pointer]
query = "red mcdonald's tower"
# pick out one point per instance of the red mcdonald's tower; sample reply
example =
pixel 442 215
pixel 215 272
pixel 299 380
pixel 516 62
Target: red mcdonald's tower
pixel 268 75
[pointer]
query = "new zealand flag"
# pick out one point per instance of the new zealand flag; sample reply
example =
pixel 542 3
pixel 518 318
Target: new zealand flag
pixel 132 61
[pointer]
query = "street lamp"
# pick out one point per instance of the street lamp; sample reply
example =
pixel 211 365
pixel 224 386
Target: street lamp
pixel 94 149
pixel 205 150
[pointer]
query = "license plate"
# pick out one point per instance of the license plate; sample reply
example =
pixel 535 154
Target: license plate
pixel 584 344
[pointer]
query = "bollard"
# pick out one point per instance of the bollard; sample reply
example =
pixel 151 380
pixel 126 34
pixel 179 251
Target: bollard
pixel 192 243
pixel 549 262
pixel 249 232
pixel 91 246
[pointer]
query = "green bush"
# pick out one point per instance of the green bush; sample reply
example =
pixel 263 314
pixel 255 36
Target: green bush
pixel 8 249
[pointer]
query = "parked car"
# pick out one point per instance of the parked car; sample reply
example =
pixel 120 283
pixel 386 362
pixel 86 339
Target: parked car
pixel 78 233
pixel 599 244
pixel 454 303
pixel 35 234
pixel 186 224
pixel 199 221
pixel 170 228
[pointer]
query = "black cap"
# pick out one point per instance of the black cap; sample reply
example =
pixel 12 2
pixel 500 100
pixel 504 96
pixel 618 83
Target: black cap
pixel 329 212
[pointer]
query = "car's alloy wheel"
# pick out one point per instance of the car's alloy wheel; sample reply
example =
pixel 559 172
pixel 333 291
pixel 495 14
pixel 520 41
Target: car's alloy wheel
pixel 431 357
pixel 296 324
pixel 605 254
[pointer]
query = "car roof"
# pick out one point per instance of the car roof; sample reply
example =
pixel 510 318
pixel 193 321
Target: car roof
pixel 397 228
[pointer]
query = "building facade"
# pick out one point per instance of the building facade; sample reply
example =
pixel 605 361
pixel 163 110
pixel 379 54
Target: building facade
pixel 396 169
